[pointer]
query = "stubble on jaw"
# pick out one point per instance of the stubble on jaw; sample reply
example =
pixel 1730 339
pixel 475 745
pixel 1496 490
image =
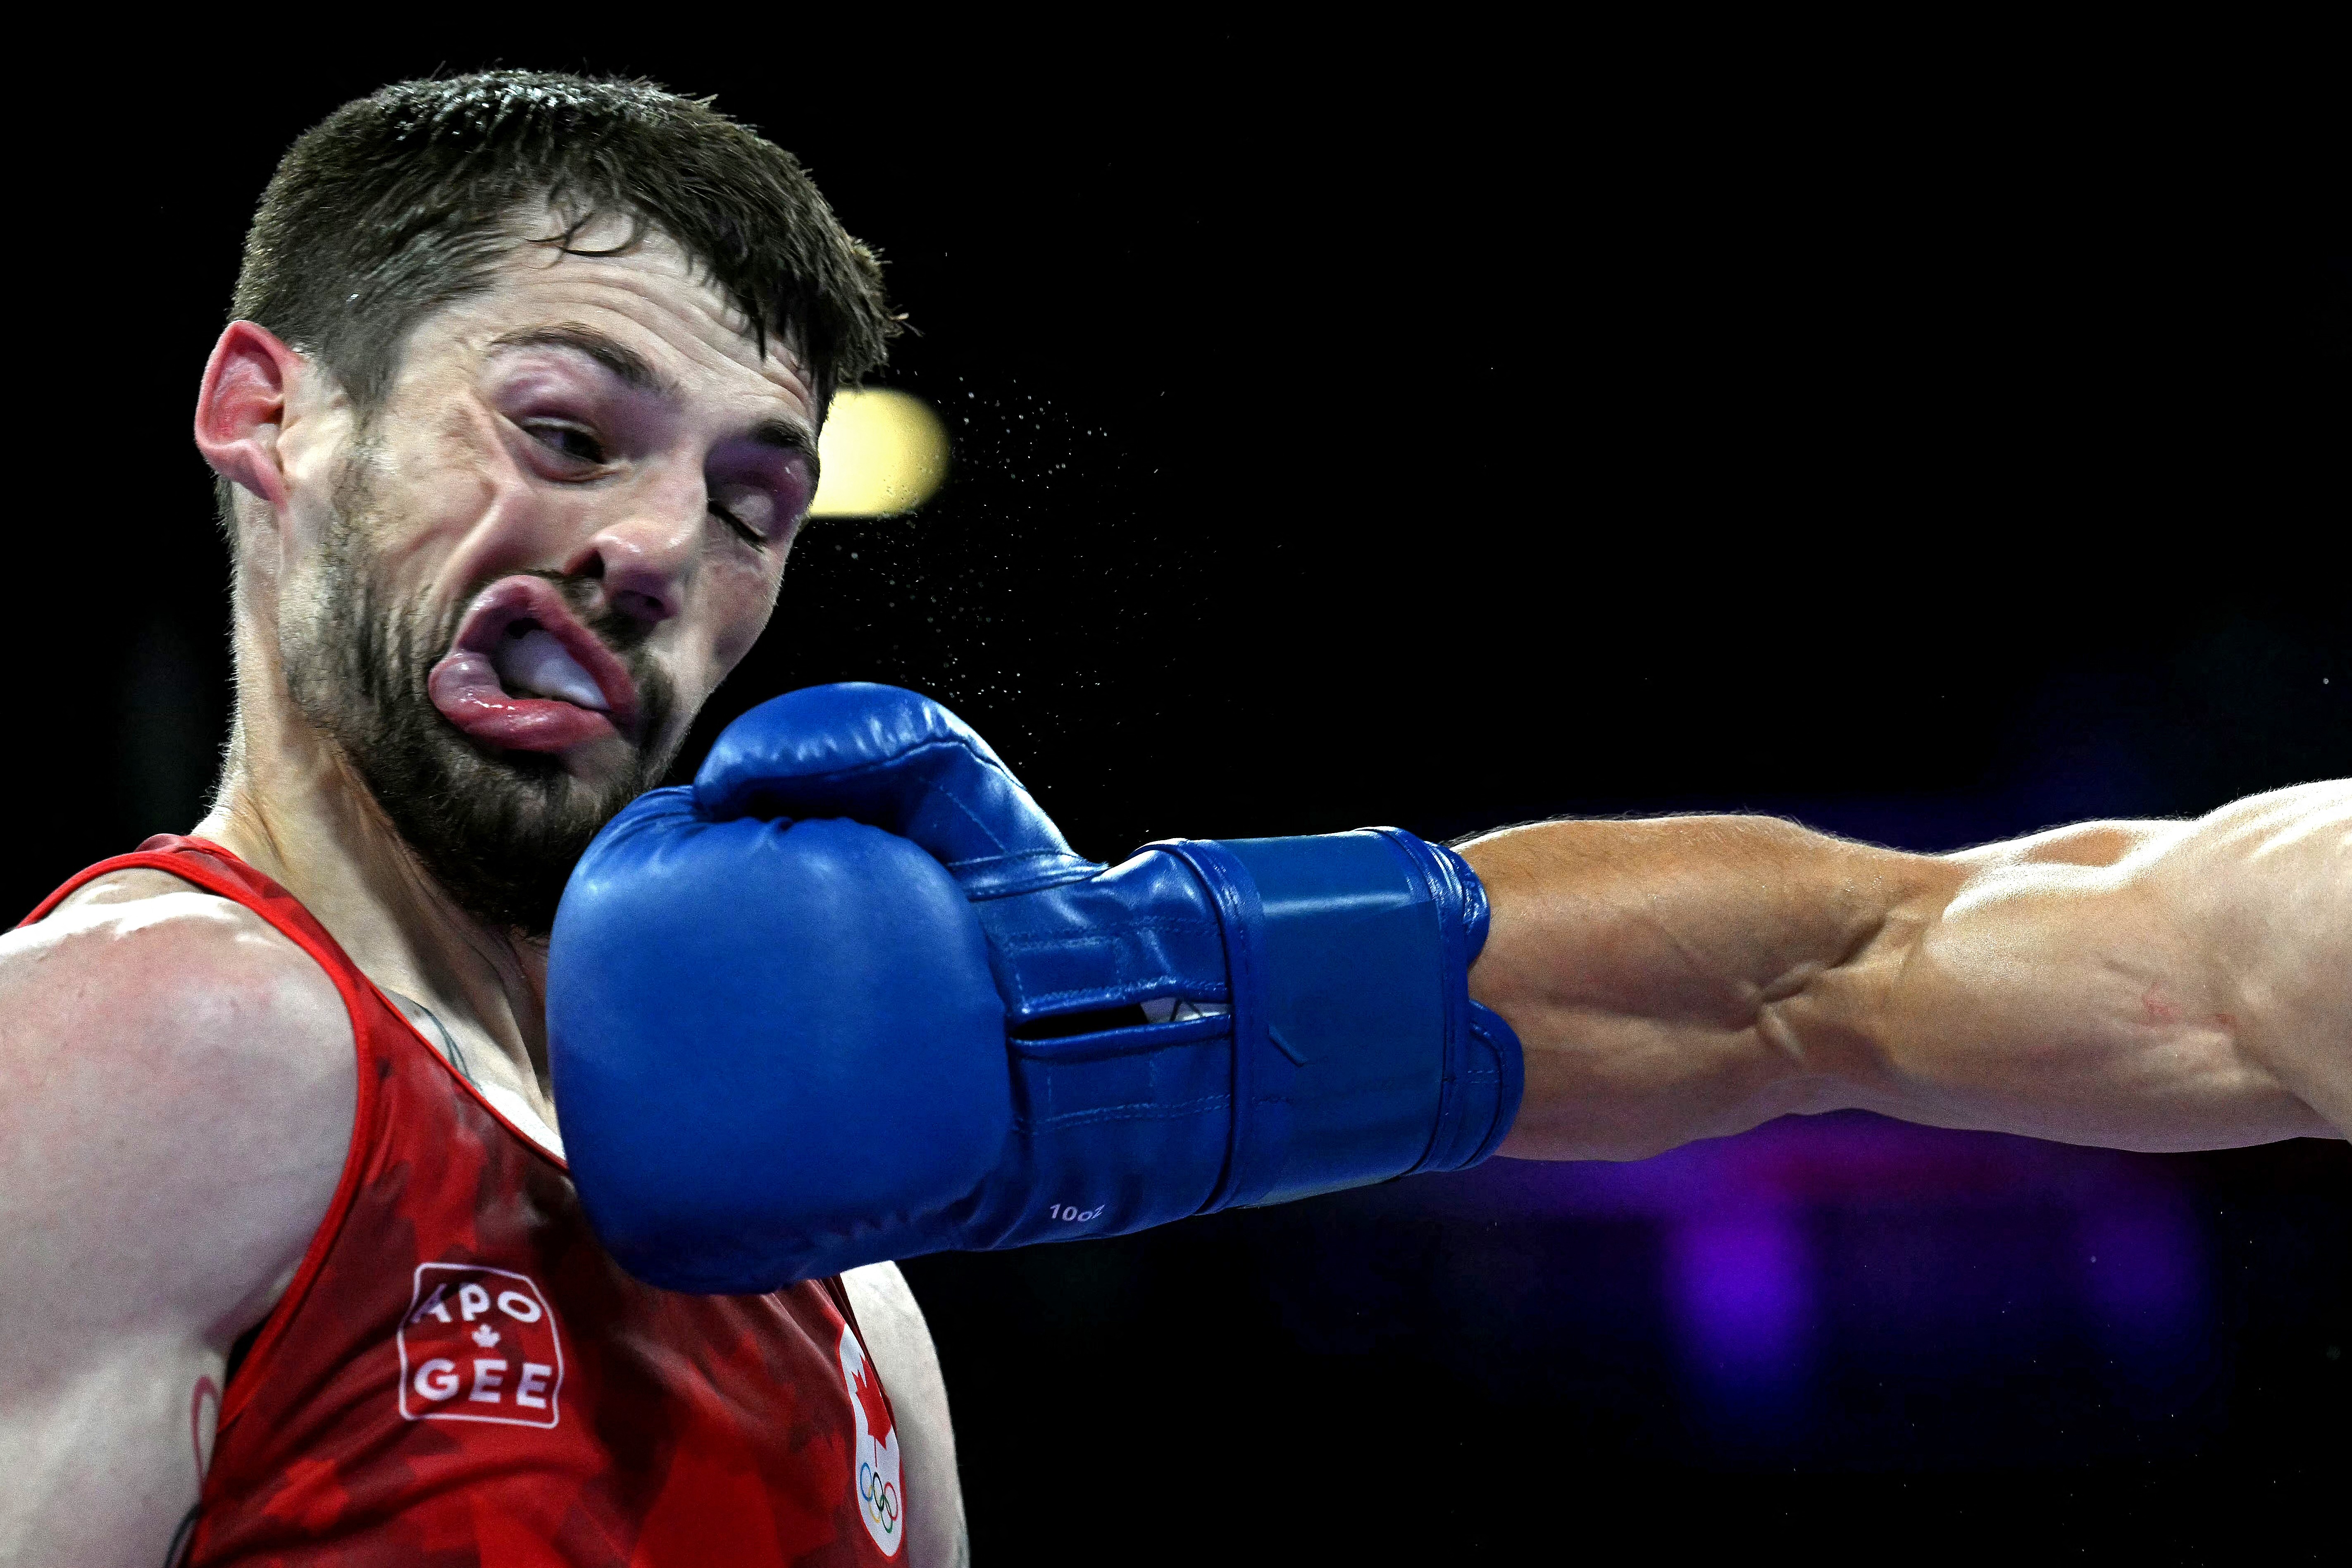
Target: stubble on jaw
pixel 499 831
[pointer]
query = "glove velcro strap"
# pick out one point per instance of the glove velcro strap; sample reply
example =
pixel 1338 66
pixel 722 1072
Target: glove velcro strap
pixel 1443 873
pixel 1345 953
pixel 1498 1040
pixel 1484 1070
pixel 1259 1136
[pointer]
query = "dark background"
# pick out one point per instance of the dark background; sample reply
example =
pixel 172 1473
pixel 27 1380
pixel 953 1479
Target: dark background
pixel 1430 433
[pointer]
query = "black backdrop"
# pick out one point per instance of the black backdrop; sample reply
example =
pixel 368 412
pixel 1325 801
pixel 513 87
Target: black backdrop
pixel 1350 433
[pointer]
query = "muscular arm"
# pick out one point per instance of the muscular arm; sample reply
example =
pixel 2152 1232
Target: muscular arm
pixel 2156 986
pixel 176 1096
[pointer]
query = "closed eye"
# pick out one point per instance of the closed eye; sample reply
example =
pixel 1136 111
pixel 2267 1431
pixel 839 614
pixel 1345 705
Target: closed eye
pixel 751 535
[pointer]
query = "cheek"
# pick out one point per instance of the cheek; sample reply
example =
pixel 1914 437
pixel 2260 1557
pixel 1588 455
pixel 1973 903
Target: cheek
pixel 452 508
pixel 743 596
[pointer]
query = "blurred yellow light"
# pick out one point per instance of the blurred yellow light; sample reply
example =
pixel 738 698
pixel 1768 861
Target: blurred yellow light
pixel 881 452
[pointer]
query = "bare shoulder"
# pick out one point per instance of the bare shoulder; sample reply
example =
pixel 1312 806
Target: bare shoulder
pixel 141 937
pixel 176 1094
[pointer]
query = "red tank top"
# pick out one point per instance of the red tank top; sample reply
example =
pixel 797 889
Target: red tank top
pixel 458 1375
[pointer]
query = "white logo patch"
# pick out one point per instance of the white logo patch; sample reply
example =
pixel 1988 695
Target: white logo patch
pixel 881 1495
pixel 479 1344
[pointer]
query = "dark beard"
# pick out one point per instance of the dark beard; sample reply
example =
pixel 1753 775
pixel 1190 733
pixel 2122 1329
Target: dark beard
pixel 498 830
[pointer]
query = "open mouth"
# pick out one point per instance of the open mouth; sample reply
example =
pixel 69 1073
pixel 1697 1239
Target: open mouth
pixel 523 674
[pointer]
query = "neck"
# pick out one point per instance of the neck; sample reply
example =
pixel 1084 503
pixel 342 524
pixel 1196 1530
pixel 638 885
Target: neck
pixel 292 807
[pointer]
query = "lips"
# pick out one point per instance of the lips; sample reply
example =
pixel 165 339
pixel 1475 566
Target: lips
pixel 524 674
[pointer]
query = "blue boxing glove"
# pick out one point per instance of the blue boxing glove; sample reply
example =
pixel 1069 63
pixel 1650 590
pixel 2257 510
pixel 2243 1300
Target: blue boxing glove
pixel 852 997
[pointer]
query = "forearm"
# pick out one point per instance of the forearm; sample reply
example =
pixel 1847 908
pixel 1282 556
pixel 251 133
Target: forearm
pixel 2159 985
pixel 1646 965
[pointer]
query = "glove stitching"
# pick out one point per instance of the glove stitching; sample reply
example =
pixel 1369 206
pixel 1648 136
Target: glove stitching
pixel 1072 992
pixel 1012 857
pixel 1042 944
pixel 1135 1112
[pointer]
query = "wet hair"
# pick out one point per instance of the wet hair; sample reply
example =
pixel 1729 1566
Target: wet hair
pixel 403 200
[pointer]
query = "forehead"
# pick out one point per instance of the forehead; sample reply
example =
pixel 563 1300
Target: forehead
pixel 644 293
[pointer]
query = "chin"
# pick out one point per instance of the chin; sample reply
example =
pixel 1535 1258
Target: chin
pixel 500 831
pixel 597 765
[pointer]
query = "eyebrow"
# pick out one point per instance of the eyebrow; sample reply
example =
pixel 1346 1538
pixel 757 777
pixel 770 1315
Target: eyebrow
pixel 786 436
pixel 632 370
pixel 630 366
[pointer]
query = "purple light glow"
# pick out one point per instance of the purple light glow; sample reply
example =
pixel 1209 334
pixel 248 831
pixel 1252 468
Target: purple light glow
pixel 1817 1257
pixel 2141 1279
pixel 1849 1160
pixel 1742 1291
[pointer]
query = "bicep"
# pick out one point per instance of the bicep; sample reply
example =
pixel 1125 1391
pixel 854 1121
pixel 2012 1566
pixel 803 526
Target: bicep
pixel 175 1103
pixel 103 1451
pixel 892 1325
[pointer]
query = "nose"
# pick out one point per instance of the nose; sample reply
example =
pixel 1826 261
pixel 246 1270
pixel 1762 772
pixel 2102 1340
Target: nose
pixel 646 557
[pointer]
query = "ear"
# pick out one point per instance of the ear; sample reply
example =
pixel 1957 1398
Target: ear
pixel 242 407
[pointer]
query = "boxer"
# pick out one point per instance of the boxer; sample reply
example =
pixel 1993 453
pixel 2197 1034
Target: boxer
pixel 515 426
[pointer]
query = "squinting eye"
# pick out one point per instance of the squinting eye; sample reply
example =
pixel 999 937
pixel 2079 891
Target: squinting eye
pixel 569 439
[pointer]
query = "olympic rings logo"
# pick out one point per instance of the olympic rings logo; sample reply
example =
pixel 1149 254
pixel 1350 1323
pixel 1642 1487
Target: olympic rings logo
pixel 881 1497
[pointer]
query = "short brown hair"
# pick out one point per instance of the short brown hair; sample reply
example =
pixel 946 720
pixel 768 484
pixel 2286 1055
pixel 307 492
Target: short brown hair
pixel 401 201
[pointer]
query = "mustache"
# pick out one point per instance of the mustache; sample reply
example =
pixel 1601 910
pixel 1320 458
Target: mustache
pixel 625 635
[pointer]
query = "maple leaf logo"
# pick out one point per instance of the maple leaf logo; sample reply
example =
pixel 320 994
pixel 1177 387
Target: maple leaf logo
pixel 874 1403
pixel 485 1336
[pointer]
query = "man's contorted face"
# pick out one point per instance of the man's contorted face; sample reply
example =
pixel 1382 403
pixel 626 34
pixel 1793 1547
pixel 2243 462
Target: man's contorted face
pixel 527 572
